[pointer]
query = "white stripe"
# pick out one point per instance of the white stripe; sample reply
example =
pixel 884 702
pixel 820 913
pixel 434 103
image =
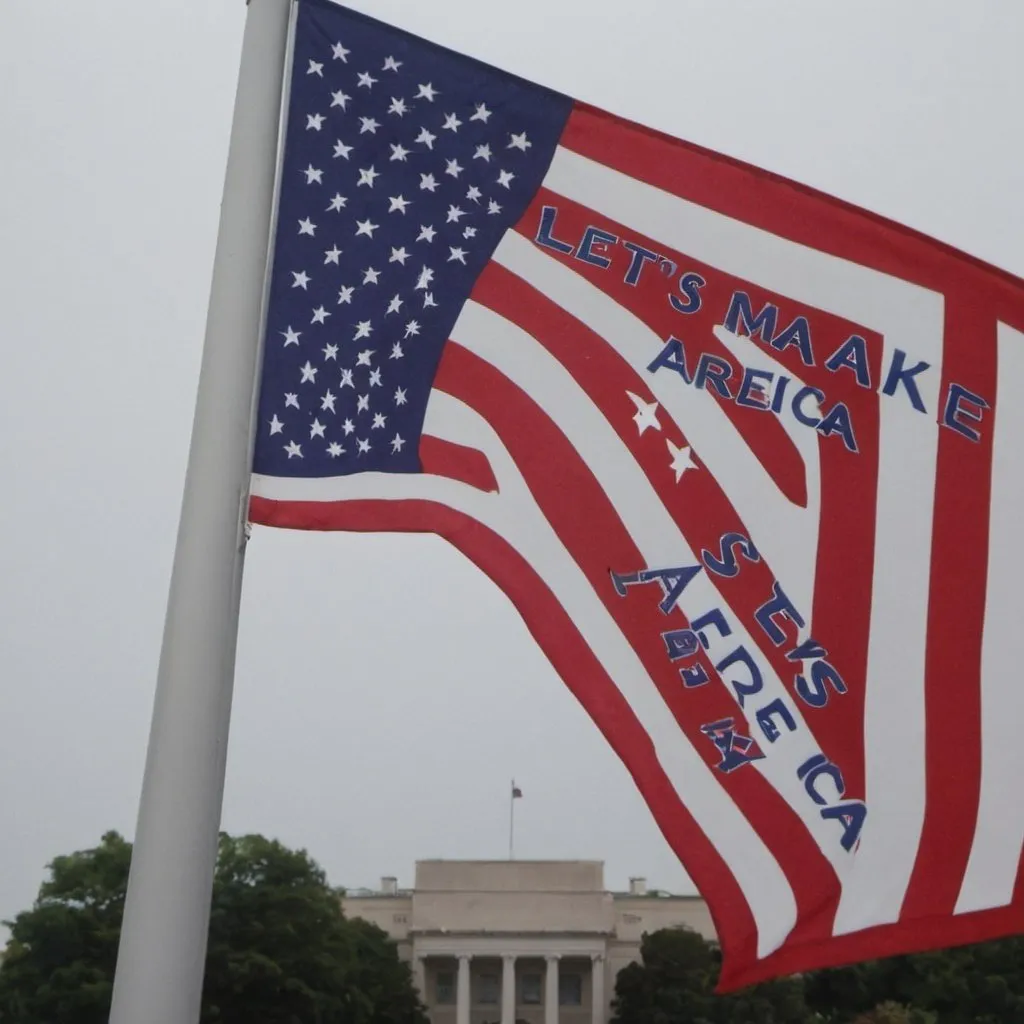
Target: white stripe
pixel 525 362
pixel 513 514
pixel 909 318
pixel 999 832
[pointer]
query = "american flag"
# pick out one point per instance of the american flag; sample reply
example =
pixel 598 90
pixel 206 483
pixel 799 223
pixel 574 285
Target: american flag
pixel 735 450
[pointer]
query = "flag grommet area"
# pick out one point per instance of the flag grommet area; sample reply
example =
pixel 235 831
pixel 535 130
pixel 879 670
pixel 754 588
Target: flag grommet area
pixel 743 457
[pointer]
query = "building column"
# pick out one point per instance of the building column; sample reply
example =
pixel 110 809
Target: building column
pixel 419 975
pixel 597 1007
pixel 462 991
pixel 551 990
pixel 508 989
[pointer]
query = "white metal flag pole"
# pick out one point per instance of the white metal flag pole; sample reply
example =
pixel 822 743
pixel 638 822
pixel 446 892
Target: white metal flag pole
pixel 162 952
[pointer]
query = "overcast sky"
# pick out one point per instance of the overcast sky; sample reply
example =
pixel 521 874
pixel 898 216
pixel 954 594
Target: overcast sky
pixel 386 691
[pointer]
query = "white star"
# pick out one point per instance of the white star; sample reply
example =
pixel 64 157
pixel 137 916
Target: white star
pixel 315 69
pixel 312 174
pixel 330 352
pixel 396 444
pixel 474 194
pixel 366 227
pixel 426 234
pixel 482 152
pixel 316 429
pixel 362 403
pixel 399 152
pixel 428 183
pixel 396 350
pixel 412 328
pixel 482 113
pixel 340 53
pixel 320 315
pixel 293 449
pixel 390 64
pixel 348 426
pixel 426 276
pixel 301 280
pixel 307 227
pixel 428 300
pixel 646 413
pixel 400 398
pixel 457 254
pixel 340 149
pixel 364 446
pixel 366 79
pixel 366 176
pixel 345 295
pixel 334 450
pixel 451 122
pixel 493 207
pixel 426 138
pixel 368 124
pixel 454 213
pixel 291 337
pixel 398 203
pixel 505 178
pixel 337 203
pixel 398 107
pixel 276 426
pixel 314 122
pixel 453 168
pixel 371 276
pixel 340 99
pixel 394 305
pixel 327 402
pixel 379 420
pixel 681 460
pixel 363 330
pixel 346 382
pixel 375 378
pixel 519 142
pixel 427 92
pixel 469 233
pixel 331 256
pixel 364 357
pixel 291 399
pixel 398 256
pixel 309 372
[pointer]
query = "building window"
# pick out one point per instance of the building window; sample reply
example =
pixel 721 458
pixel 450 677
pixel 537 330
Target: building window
pixel 570 990
pixel 400 919
pixel 488 989
pixel 529 989
pixel 444 988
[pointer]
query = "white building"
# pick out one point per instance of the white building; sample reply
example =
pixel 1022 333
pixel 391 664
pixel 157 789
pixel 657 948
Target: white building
pixel 520 942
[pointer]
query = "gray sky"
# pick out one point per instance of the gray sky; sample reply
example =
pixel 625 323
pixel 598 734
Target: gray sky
pixel 386 691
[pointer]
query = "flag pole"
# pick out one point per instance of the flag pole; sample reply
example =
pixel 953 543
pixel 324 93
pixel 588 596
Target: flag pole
pixel 511 820
pixel 162 950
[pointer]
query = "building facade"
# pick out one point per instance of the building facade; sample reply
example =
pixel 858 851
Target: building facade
pixel 519 942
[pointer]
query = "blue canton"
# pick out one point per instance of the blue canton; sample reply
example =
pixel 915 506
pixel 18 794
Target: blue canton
pixel 404 165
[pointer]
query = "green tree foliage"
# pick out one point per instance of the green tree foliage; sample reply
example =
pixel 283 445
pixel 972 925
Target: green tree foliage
pixel 280 951
pixel 979 984
pixel 674 984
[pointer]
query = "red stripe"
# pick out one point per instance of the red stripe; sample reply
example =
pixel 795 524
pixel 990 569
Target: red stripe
pixel 572 658
pixel 581 514
pixel 457 462
pixel 956 617
pixel 841 613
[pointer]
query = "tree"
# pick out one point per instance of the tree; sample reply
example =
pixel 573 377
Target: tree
pixel 977 984
pixel 895 1013
pixel 280 951
pixel 674 984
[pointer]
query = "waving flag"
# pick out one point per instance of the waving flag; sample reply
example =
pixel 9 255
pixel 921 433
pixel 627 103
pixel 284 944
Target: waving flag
pixel 746 459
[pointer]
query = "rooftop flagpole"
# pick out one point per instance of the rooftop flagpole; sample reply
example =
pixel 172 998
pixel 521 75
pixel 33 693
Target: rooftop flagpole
pixel 162 951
